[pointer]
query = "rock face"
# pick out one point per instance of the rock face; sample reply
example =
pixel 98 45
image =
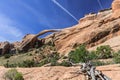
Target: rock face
pixel 116 8
pixel 92 30
pixel 5 47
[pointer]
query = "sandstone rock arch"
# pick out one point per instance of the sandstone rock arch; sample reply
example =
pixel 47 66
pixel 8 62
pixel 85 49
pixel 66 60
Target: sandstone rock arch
pixel 30 39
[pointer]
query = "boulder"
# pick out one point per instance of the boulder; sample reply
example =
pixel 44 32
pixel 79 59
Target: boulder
pixel 5 47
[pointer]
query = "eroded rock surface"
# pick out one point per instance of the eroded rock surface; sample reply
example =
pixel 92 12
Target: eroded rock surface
pixel 29 41
pixel 116 8
pixel 5 47
pixel 62 73
pixel 92 30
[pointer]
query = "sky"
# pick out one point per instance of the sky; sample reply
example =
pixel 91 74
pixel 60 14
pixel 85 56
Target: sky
pixel 20 17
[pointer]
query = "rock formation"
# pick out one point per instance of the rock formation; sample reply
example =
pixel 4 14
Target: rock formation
pixel 116 8
pixel 28 42
pixel 92 30
pixel 5 47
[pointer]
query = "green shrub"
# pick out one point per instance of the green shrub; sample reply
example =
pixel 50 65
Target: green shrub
pixel 98 63
pixel 8 65
pixel 43 62
pixel 79 55
pixel 104 52
pixel 65 63
pixel 13 74
pixel 116 57
pixel 6 56
pixel 53 62
pixel 52 58
pixel 101 63
pixel 92 55
pixel 54 55
pixel 27 63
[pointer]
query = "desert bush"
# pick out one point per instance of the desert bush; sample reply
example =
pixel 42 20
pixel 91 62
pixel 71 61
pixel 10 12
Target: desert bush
pixel 98 63
pixel 53 62
pixel 27 63
pixel 92 55
pixel 116 57
pixel 13 74
pixel 104 52
pixel 65 63
pixel 101 63
pixel 43 62
pixel 53 59
pixel 79 55
pixel 6 56
pixel 8 65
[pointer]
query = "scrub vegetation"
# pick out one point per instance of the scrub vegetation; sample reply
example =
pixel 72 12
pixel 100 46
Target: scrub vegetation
pixel 41 56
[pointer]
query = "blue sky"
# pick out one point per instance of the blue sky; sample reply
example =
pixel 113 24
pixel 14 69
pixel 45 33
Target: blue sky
pixel 20 17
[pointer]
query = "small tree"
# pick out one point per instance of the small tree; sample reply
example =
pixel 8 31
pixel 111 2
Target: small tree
pixel 92 55
pixel 116 58
pixel 79 55
pixel 104 52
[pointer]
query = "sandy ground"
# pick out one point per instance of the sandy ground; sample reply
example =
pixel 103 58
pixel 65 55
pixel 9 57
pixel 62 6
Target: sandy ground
pixel 62 73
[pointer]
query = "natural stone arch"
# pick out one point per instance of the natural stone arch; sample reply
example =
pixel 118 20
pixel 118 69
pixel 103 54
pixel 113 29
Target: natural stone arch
pixel 30 39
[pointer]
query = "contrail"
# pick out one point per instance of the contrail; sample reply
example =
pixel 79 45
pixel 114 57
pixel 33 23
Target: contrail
pixel 65 10
pixel 100 4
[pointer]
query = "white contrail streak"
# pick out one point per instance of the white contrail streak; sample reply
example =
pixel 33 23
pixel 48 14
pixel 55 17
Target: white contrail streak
pixel 65 10
pixel 100 4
